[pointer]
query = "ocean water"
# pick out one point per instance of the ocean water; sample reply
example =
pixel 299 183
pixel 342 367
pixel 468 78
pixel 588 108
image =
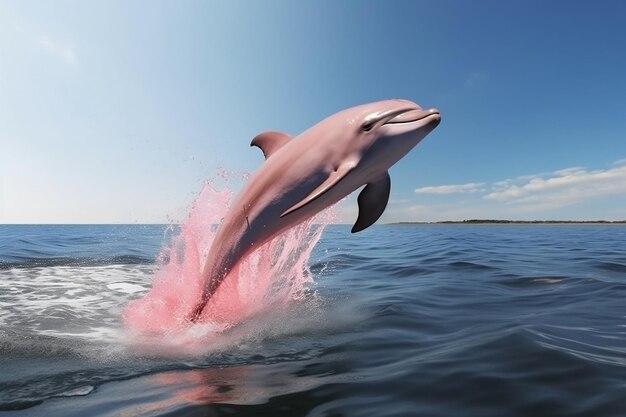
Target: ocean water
pixel 400 320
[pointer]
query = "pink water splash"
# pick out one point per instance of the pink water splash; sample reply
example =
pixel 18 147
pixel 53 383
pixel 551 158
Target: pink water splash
pixel 272 277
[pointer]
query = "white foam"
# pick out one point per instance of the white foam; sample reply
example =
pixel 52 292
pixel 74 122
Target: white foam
pixel 126 287
pixel 70 301
pixel 77 392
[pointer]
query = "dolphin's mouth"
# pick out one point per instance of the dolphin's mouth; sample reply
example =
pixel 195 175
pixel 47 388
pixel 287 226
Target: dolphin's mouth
pixel 414 115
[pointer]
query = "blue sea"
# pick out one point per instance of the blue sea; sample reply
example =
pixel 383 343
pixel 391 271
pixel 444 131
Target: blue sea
pixel 410 320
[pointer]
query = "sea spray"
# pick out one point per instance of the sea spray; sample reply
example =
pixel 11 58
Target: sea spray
pixel 270 278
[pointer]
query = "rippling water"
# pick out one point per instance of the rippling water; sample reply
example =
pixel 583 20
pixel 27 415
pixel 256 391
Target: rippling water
pixel 424 320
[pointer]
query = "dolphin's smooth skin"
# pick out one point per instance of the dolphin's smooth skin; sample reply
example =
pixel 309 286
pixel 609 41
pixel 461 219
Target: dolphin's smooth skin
pixel 303 175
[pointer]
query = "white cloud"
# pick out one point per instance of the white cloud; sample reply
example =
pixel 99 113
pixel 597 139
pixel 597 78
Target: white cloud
pixel 471 187
pixel 527 197
pixel 568 171
pixel 63 52
pixel 560 188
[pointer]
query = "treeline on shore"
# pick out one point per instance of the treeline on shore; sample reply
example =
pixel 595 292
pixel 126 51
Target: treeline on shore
pixel 492 221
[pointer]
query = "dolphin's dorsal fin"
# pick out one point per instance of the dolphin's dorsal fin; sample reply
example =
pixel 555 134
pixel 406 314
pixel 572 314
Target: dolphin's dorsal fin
pixel 270 142
pixel 332 179
pixel 372 202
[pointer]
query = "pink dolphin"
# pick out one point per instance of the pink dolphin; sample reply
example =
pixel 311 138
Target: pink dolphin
pixel 304 175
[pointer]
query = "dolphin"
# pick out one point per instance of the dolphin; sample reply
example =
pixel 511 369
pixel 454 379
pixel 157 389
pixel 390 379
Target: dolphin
pixel 303 175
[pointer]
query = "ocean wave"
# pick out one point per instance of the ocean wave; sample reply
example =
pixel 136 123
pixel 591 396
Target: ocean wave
pixel 35 262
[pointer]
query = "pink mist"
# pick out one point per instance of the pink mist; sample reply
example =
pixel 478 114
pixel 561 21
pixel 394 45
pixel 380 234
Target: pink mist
pixel 272 277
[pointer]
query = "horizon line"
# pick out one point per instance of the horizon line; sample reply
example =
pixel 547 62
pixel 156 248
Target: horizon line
pixel 466 221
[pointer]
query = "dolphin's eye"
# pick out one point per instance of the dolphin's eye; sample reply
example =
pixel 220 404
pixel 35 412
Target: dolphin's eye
pixel 367 126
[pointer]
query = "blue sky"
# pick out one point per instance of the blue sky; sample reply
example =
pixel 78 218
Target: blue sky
pixel 118 111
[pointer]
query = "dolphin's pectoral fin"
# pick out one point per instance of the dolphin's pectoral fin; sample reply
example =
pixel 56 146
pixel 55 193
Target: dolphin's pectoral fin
pixel 372 202
pixel 270 142
pixel 330 182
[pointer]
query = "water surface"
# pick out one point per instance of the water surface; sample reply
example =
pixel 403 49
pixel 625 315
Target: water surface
pixel 407 320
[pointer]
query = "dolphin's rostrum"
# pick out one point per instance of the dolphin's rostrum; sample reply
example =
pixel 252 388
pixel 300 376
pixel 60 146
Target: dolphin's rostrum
pixel 303 175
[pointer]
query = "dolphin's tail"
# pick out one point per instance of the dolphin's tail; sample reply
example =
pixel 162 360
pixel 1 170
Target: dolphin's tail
pixel 207 293
pixel 196 312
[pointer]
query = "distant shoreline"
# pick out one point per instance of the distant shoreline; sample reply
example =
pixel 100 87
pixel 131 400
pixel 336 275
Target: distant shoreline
pixel 488 221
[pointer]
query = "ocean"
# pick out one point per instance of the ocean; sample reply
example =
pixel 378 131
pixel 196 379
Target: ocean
pixel 398 320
